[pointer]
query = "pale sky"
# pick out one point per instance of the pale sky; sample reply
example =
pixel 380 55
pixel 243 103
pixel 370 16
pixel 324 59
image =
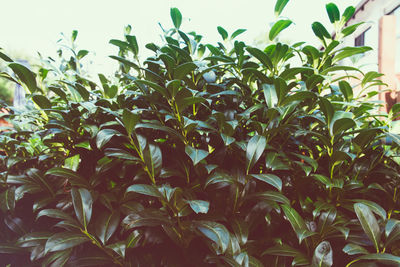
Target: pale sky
pixel 30 26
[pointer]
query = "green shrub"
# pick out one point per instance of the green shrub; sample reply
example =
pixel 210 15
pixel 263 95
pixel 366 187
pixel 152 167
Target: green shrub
pixel 203 155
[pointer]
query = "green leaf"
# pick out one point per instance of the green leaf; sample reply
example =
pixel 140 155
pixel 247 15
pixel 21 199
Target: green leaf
pixel 118 248
pixel 176 17
pixel 83 201
pixel 381 257
pixel 370 77
pixel 106 224
pixel 323 255
pixel 82 53
pixel 237 32
pixel 145 218
pixel 333 12
pixel 374 207
pixel 74 34
pixel 196 155
pixel 368 223
pixel 215 232
pixel 144 189
pixel 350 29
pixel 294 218
pixel 166 129
pixel 125 62
pixel 33 239
pixel 38 177
pixel 11 249
pixel 58 259
pixel 353 249
pixel 228 140
pixel 270 179
pixel 130 120
pixel 121 44
pixel 120 153
pixel 272 196
pixel 133 239
pixel 320 31
pixel 184 69
pixel 270 95
pixel 217 178
pixel 327 108
pixel 153 159
pixel 8 198
pixel 346 90
pixel 282 250
pixel 42 101
pixel 84 93
pixel 54 213
pixel 392 231
pixel 199 206
pixel 254 150
pixel 298 96
pixel 63 241
pixel 5 57
pixel 278 26
pixel 342 125
pixel 348 13
pixel 153 85
pixel 350 51
pixel 25 75
pixel 104 136
pixel 261 56
pixel 133 45
pixel 74 178
pixel 279 6
pixel 391 225
pixel 222 32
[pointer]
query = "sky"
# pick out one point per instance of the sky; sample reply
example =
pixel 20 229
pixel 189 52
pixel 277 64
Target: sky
pixel 28 27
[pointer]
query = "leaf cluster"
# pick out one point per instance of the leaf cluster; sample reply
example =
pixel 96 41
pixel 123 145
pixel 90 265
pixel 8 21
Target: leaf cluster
pixel 202 155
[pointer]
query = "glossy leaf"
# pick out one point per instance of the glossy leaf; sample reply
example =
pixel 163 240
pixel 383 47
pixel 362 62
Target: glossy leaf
pixel 270 179
pixel 254 150
pixel 323 255
pixel 106 225
pixel 353 249
pixel 215 232
pixel 63 241
pixel 320 31
pixel 25 75
pixel 237 33
pixel 368 223
pixel 222 32
pixel 104 136
pixel 196 155
pixel 348 13
pixel 279 6
pixel 176 17
pixel 382 257
pixel 270 95
pixel 83 201
pixel 279 26
pixel 333 12
pixel 130 120
pixel 261 56
pixel 199 206
pixel 184 69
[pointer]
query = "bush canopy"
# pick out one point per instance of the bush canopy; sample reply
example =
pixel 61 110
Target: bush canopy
pixel 202 155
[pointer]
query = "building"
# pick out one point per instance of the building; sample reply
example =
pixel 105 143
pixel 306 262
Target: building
pixel 381 31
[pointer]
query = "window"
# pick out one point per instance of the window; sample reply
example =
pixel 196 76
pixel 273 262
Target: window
pixel 360 40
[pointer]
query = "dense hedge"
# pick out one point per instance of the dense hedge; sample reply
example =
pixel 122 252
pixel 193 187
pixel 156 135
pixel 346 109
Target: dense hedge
pixel 202 155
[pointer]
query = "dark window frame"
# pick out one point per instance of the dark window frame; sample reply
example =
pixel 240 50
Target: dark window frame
pixel 360 39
